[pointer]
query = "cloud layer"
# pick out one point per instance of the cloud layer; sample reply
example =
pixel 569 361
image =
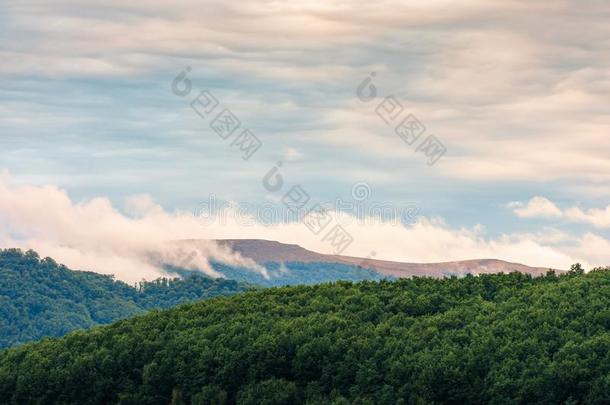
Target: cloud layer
pixel 133 243
pixel 518 91
pixel 93 235
pixel 541 207
pixel 511 101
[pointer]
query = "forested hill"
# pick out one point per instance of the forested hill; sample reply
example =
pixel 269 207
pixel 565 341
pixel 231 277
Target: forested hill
pixel 40 298
pixel 487 339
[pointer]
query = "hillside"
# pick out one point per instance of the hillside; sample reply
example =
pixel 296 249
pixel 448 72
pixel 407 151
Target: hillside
pixel 264 251
pixel 40 298
pixel 487 339
pixel 299 273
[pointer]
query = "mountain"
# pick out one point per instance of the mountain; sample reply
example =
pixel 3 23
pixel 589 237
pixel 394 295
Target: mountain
pixel 280 265
pixel 264 251
pixel 298 273
pixel 40 298
pixel 508 338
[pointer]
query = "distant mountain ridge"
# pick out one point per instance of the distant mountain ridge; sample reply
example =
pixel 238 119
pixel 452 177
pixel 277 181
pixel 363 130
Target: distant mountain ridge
pixel 264 251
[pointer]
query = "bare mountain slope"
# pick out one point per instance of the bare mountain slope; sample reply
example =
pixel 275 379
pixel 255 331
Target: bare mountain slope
pixel 262 251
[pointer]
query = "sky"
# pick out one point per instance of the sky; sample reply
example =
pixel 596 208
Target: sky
pixel 97 125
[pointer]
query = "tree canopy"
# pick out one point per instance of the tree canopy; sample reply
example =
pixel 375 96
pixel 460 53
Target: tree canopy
pixel 39 297
pixel 487 339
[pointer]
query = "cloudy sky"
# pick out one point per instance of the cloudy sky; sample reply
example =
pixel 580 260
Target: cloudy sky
pixel 518 92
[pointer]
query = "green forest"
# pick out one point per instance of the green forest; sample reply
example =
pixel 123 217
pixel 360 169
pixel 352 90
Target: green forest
pixel 39 297
pixel 501 339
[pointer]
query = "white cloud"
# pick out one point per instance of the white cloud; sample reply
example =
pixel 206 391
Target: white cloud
pixel 94 235
pixel 594 247
pixel 600 218
pixel 537 207
pixel 540 207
